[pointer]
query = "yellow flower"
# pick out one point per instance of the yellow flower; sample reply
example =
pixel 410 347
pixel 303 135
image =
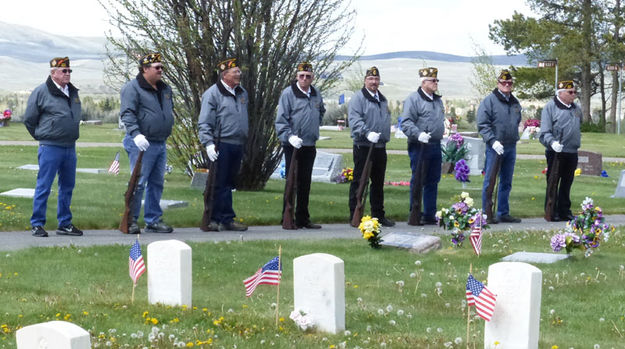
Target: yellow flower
pixel 189 345
pixel 367 235
pixel 281 319
pixel 154 321
pixel 554 347
pixel 145 313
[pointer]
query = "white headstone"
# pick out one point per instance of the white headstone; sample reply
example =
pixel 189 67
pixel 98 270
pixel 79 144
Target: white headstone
pixel 33 167
pixel 620 186
pixel 319 290
pixel 535 257
pixel 414 242
pixel 516 319
pixel 53 335
pixel 20 193
pixel 327 167
pixel 169 273
pixel 167 204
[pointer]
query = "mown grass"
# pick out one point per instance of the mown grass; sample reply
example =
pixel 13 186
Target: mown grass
pixel 105 133
pixel 98 198
pixel 394 299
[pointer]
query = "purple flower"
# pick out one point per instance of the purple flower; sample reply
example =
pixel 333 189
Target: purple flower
pixel 558 242
pixel 462 171
pixel 458 139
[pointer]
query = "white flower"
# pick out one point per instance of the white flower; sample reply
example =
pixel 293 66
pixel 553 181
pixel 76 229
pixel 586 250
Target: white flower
pixel 464 195
pixel 552 311
pixel 438 284
pixel 469 202
pixel 380 312
pixel 458 340
pixel 392 322
pixel 389 308
pixel 438 214
pixel 359 300
pixel 414 275
pixel 439 330
pixel 596 346
pixel 417 263
pixel 400 283
pixel 601 319
pixel 428 330
pixel 400 312
pixel 347 333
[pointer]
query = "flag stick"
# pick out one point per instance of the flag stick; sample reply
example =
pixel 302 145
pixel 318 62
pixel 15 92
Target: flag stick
pixel 469 308
pixel 278 293
pixel 134 284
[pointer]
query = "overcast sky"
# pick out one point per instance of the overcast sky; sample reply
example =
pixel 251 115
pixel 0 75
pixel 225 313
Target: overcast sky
pixel 447 26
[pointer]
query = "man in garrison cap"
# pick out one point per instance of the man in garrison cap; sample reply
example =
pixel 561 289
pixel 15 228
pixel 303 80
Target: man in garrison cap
pixel 147 110
pixel 370 124
pixel 423 122
pixel 52 117
pixel 300 111
pixel 223 119
pixel 561 136
pixel 498 118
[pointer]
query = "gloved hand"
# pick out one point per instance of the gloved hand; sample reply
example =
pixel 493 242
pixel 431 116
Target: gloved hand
pixel 212 154
pixel 556 146
pixel 498 147
pixel 373 137
pixel 141 142
pixel 295 141
pixel 424 137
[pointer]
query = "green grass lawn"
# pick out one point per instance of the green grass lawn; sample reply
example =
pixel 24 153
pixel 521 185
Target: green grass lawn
pixel 392 296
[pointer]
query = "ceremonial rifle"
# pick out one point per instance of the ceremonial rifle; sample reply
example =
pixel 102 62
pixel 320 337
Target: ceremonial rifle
pixel 552 186
pixel 490 202
pixel 209 188
pixel 290 187
pixel 363 185
pixel 130 193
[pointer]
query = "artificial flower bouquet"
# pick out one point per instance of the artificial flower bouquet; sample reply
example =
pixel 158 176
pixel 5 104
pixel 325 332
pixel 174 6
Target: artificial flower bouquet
pixel 370 230
pixel 460 218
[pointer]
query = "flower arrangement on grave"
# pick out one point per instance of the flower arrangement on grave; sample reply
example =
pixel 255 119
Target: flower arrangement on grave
pixel 460 218
pixel 6 116
pixel 455 150
pixel 370 230
pixel 462 171
pixel 347 175
pixel 585 231
pixel 303 320
pixel 533 127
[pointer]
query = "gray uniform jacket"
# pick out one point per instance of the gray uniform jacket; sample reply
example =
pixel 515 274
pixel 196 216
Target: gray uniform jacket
pixel 366 115
pixel 562 124
pixel 223 114
pixel 51 117
pixel 422 114
pixel 299 115
pixel 498 119
pixel 147 111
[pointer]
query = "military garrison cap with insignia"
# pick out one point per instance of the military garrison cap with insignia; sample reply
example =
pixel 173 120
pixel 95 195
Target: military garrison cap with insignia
pixel 504 75
pixel 304 66
pixel 59 62
pixel 150 58
pixel 227 64
pixel 430 72
pixel 373 71
pixel 566 84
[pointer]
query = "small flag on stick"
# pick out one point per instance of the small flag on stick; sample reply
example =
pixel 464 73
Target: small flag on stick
pixel 476 236
pixel 269 274
pixel 480 297
pixel 136 267
pixel 114 168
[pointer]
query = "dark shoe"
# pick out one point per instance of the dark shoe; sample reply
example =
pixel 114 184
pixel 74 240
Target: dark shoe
pixel 492 220
pixel 386 222
pixel 233 226
pixel 133 228
pixel 309 225
pixel 556 219
pixel 567 217
pixel 39 232
pixel 160 227
pixel 428 221
pixel 509 219
pixel 70 230
pixel 212 226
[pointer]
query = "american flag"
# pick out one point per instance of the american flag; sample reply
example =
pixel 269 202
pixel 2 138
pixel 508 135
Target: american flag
pixel 269 274
pixel 480 297
pixel 136 267
pixel 114 168
pixel 476 236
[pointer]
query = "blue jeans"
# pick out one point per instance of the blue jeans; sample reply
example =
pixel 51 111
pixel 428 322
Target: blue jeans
pixel 228 166
pixel 505 177
pixel 52 160
pixel 151 180
pixel 432 158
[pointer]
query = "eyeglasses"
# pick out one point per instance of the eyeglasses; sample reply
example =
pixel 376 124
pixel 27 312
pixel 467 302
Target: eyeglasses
pixel 432 80
pixel 304 76
pixel 506 83
pixel 571 92
pixel 158 67
pixel 66 71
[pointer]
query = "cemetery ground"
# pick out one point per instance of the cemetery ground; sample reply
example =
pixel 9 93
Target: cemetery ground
pixel 394 299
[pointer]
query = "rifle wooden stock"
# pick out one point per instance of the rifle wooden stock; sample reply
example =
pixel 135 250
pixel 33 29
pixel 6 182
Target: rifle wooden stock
pixel 489 204
pixel 552 187
pixel 209 191
pixel 130 193
pixel 290 187
pixel 361 193
pixel 417 191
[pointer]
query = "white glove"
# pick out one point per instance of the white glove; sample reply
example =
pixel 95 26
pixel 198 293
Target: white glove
pixel 557 147
pixel 212 154
pixel 498 147
pixel 141 142
pixel 424 137
pixel 373 137
pixel 295 141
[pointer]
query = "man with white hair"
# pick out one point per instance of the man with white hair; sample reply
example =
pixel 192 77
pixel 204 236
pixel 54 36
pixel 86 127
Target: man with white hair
pixel 498 118
pixel 424 124
pixel 561 136
pixel 52 117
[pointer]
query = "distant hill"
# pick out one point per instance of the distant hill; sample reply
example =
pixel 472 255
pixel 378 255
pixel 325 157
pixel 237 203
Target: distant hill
pixel 518 60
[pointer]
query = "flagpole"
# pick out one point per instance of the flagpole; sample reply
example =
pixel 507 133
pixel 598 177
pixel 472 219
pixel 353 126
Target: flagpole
pixel 278 293
pixel 468 307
